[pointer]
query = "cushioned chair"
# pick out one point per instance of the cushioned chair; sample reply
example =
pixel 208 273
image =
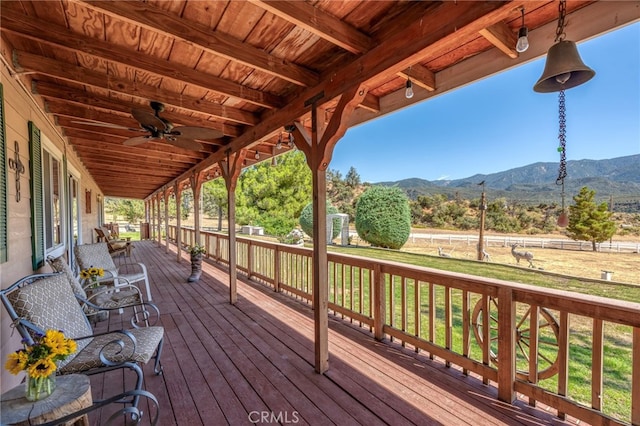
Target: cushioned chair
pixel 40 302
pixel 116 246
pixel 97 255
pixel 106 297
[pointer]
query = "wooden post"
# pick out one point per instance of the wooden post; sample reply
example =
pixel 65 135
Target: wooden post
pixel 177 190
pixel 230 171
pixel 506 344
pixel 159 221
pixel 318 150
pixel 196 188
pixel 483 212
pixel 166 219
pixel 320 262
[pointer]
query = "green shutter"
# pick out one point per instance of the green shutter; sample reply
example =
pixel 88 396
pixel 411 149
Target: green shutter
pixel 3 184
pixel 37 210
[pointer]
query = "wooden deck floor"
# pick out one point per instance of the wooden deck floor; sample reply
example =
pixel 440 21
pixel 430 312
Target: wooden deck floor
pixel 253 363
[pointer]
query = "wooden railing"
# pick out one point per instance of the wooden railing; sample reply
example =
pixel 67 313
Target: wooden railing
pixel 444 314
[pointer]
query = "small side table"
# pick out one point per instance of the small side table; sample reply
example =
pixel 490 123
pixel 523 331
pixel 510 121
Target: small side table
pixel 72 393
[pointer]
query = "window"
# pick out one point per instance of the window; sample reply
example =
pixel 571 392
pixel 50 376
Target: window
pixel 52 189
pixel 47 202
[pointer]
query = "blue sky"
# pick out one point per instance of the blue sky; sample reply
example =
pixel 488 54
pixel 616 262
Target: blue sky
pixel 504 123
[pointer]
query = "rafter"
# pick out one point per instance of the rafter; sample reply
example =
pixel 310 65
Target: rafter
pixel 61 37
pixel 160 21
pixel 322 24
pixel 420 76
pixel 28 62
pixel 501 36
pixel 76 110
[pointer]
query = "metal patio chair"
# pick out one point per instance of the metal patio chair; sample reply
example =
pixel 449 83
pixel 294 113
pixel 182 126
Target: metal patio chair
pixel 40 302
pixel 106 297
pixel 97 256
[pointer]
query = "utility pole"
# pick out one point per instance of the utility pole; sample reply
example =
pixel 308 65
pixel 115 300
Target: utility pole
pixel 483 211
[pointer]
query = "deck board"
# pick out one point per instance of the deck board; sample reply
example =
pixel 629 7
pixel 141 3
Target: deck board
pixel 224 363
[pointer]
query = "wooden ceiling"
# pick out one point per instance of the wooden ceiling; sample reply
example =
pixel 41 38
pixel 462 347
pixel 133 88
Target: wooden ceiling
pixel 249 68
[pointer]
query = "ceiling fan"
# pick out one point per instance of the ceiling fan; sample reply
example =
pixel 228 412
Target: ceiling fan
pixel 162 129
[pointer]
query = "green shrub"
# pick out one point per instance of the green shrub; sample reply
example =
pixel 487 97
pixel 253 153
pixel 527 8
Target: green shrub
pixel 383 218
pixel 306 220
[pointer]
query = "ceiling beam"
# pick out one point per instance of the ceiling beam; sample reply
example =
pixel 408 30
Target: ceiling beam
pixel 77 96
pixel 28 62
pixel 80 111
pixel 501 36
pixel 420 76
pixel 163 22
pixel 324 25
pixel 60 36
pixel 150 150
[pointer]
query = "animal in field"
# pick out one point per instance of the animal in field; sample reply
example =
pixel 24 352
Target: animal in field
pixel 441 253
pixel 519 254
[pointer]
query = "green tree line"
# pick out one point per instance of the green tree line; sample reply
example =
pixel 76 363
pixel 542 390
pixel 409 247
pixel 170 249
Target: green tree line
pixel 274 194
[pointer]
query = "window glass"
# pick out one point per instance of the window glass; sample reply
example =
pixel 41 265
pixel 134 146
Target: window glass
pixel 52 200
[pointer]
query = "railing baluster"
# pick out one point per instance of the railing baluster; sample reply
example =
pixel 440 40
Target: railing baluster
pixel 486 334
pixel 447 321
pixel 563 358
pixel 378 302
pixel 404 307
pixel 533 347
pixel 635 378
pixel 432 315
pixel 597 365
pixel 392 302
pixel 417 313
pixel 466 322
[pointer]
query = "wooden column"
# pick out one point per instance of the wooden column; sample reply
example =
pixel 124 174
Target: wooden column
pixel 231 169
pixel 178 191
pixel 167 192
pixel 196 187
pixel 159 236
pixel 318 150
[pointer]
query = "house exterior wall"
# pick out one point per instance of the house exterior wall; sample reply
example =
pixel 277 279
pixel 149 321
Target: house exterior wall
pixel 20 108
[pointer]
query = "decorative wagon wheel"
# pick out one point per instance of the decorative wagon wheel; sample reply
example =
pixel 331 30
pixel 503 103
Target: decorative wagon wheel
pixel 548 330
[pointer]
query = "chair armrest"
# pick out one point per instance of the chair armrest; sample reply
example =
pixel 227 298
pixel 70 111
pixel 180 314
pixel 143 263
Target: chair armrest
pixel 144 314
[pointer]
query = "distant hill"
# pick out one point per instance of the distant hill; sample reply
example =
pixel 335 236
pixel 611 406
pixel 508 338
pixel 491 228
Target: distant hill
pixel 616 178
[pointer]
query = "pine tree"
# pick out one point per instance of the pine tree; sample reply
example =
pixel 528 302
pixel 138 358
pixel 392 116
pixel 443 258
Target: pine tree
pixel 589 221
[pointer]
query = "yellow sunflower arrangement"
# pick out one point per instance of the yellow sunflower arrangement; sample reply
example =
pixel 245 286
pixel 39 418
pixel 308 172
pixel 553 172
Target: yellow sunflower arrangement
pixel 39 361
pixel 92 274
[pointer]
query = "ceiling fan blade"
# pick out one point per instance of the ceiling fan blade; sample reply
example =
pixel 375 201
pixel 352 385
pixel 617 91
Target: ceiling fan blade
pixel 139 140
pixel 148 119
pixel 184 143
pixel 108 125
pixel 192 132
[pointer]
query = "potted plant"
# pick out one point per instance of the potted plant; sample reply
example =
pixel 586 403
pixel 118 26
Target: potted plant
pixel 196 252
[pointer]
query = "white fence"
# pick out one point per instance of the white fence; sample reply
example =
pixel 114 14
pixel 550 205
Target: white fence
pixel 506 241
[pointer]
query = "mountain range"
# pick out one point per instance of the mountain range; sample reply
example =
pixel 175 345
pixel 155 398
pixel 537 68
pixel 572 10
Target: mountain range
pixel 615 179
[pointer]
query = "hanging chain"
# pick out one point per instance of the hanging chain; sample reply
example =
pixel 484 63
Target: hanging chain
pixel 562 136
pixel 562 9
